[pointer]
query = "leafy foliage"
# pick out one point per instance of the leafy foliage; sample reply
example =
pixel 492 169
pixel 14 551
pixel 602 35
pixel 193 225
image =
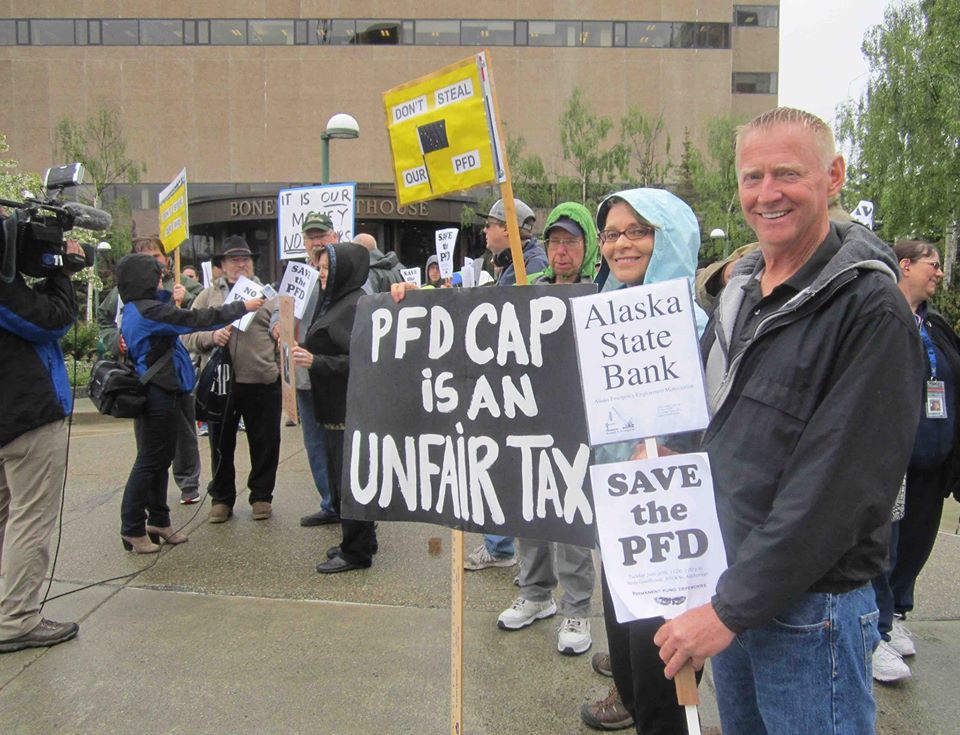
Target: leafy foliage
pixel 645 148
pixel 582 136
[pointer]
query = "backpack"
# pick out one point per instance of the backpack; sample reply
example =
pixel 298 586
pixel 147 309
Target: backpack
pixel 214 386
pixel 116 389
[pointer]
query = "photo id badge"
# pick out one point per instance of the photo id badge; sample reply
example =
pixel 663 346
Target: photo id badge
pixel 936 400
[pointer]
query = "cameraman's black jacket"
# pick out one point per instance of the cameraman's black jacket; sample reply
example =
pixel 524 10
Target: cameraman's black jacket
pixel 35 389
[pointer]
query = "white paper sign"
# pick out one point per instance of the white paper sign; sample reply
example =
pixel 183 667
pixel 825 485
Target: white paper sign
pixel 659 535
pixel 411 275
pixel 335 200
pixel 243 290
pixel 206 267
pixel 640 362
pixel 864 214
pixel 446 240
pixel 298 281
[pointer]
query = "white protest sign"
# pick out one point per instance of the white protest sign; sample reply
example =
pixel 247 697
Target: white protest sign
pixel 659 535
pixel 446 240
pixel 467 276
pixel 335 200
pixel 207 268
pixel 640 362
pixel 298 282
pixel 864 214
pixel 411 275
pixel 243 290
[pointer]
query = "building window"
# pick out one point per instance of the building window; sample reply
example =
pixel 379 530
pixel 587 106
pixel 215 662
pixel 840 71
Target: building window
pixel 270 32
pixel 650 35
pixel 52 32
pixel 486 32
pixel 713 35
pixel 619 34
pixel 300 32
pixel 332 32
pixel 407 33
pixel 228 32
pixel 119 33
pixel 756 16
pixel 746 82
pixel 161 32
pixel 80 32
pixel 554 32
pixel 23 32
pixel 8 33
pixel 520 33
pixel 437 33
pixel 378 32
pixel 94 32
pixel 596 33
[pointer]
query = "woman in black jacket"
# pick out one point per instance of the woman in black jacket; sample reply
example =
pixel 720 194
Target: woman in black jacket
pixel 933 471
pixel 150 328
pixel 325 352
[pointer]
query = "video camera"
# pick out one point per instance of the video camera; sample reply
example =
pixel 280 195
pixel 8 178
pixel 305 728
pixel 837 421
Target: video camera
pixel 31 235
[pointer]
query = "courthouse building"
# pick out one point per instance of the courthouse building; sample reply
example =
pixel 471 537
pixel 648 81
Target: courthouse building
pixel 239 91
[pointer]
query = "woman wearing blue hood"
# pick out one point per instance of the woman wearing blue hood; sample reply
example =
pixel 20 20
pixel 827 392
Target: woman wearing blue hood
pixel 646 236
pixel 150 327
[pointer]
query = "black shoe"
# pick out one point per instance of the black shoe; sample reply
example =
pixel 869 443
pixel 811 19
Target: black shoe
pixel 48 633
pixel 337 564
pixel 320 518
pixel 335 550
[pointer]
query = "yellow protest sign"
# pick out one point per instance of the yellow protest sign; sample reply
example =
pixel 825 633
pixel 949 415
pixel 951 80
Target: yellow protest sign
pixel 174 222
pixel 443 133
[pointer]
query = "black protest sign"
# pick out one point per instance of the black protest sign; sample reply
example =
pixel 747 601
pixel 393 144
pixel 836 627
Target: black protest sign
pixel 464 410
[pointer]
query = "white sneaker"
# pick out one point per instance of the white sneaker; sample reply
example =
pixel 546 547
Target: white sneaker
pixel 887 664
pixel 573 636
pixel 480 558
pixel 524 612
pixel 900 640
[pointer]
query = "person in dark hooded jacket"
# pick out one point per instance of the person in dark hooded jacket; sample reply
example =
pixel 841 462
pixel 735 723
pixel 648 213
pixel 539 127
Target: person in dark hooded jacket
pixel 150 328
pixel 325 352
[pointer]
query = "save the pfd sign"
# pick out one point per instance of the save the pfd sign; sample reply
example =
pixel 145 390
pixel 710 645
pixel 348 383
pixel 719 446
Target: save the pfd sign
pixel 659 535
pixel 442 132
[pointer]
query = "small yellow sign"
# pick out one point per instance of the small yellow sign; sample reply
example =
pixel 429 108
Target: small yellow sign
pixel 442 132
pixel 174 220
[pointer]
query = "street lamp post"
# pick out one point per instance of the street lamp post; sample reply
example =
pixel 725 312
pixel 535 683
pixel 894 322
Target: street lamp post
pixel 340 125
pixel 718 234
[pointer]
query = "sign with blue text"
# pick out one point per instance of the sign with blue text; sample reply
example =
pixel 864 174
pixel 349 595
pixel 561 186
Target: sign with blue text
pixel 640 362
pixel 484 428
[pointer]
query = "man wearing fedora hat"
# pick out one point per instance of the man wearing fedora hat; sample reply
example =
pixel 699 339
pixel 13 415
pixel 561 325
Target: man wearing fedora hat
pixel 255 391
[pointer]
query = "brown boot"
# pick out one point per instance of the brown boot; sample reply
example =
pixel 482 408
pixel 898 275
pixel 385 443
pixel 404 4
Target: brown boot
pixel 139 544
pixel 261 510
pixel 607 713
pixel 220 513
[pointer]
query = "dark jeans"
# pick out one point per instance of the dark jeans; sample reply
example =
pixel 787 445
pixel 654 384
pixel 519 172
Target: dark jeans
pixel 881 586
pixel 186 456
pixel 918 533
pixel 145 495
pixel 260 406
pixel 638 673
pixel 356 545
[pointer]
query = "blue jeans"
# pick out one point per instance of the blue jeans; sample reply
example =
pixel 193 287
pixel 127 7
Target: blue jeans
pixel 806 671
pixel 315 442
pixel 881 586
pixel 499 545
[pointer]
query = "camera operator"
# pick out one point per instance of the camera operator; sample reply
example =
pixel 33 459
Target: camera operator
pixel 36 399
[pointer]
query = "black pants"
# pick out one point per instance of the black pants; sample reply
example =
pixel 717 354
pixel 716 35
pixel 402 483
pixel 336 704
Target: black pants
pixel 918 533
pixel 145 494
pixel 356 545
pixel 638 673
pixel 260 405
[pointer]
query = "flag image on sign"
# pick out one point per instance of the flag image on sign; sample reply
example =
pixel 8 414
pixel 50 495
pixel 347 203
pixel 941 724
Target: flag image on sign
pixel 442 132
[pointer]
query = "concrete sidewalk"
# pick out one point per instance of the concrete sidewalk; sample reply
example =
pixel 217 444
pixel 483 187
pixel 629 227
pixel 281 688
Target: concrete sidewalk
pixel 235 632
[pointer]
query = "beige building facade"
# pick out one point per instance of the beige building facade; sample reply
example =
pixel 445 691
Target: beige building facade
pixel 238 91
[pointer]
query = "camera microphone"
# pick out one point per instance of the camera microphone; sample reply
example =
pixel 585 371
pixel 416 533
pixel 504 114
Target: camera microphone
pixel 88 218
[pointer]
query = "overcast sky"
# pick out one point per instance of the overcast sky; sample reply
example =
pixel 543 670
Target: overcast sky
pixel 821 64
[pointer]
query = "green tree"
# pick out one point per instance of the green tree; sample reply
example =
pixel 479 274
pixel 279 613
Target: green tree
pixel 98 142
pixel 14 182
pixel 646 145
pixel 904 131
pixel 582 137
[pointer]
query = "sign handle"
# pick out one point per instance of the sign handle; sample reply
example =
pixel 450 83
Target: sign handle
pixel 506 188
pixel 686 679
pixel 456 632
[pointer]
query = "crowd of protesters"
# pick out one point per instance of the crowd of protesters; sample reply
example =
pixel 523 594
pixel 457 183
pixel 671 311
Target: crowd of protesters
pixel 826 522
